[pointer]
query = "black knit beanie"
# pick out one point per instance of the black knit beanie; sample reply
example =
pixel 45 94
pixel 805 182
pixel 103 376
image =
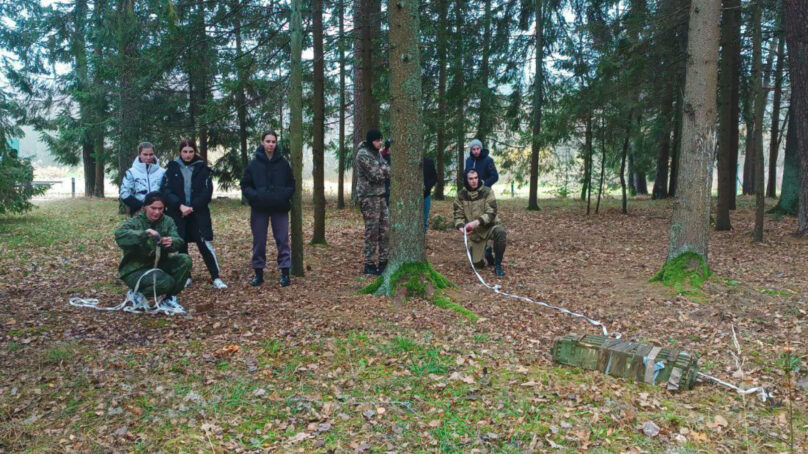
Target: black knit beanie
pixel 373 134
pixel 153 196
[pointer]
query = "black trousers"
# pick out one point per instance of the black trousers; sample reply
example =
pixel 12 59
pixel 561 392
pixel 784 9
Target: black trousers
pixel 208 255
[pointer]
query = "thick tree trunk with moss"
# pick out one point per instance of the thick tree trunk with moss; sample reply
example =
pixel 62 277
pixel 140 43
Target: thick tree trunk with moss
pixel 296 134
pixel 796 16
pixel 538 84
pixel 690 221
pixel 318 147
pixel 407 182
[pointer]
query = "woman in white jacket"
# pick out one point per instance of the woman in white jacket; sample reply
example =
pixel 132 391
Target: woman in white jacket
pixel 143 177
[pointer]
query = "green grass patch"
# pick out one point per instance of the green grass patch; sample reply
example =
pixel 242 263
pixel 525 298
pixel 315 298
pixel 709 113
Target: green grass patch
pixel 59 354
pixel 686 274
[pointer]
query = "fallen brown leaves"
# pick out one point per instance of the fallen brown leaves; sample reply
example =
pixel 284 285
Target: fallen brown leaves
pixel 597 265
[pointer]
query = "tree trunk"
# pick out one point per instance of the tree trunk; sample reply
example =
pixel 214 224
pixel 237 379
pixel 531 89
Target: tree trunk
pixel 642 183
pixel 588 162
pixel 296 134
pixel 318 147
pixel 443 7
pixel 460 114
pixel 602 165
pixel 78 45
pixel 796 16
pixel 341 146
pixel 538 83
pixel 676 146
pixel 359 100
pixel 660 190
pixel 789 189
pixel 759 110
pixel 99 107
pixel 728 111
pixel 632 177
pixel 774 136
pixel 406 191
pixel 623 157
pixel 690 221
pixel 485 117
pixel 748 183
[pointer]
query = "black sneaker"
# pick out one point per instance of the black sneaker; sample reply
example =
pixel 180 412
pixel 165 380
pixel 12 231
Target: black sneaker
pixel 489 256
pixel 258 279
pixel 370 269
pixel 499 271
pixel 285 282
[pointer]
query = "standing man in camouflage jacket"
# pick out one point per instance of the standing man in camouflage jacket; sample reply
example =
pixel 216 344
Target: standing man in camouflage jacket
pixel 372 171
pixel 139 237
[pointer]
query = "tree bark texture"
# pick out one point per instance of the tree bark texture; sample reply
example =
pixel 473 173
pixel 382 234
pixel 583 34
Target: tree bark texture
pixel 728 111
pixel 296 134
pixel 690 221
pixel 796 16
pixel 759 110
pixel 406 190
pixel 660 190
pixel 318 145
pixel 774 135
pixel 341 146
pixel 538 84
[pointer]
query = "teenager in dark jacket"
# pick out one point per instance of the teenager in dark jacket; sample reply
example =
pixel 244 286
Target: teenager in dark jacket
pixel 480 161
pixel 188 189
pixel 268 185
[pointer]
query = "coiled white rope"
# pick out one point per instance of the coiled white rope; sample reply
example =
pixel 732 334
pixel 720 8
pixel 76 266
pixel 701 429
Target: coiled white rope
pixel 762 393
pixel 135 302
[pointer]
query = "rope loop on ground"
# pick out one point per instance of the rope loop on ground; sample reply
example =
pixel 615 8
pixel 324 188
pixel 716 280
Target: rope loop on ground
pixel 135 301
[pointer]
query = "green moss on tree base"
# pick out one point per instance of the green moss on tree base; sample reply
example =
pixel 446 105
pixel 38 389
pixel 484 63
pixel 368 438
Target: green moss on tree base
pixel 686 273
pixel 417 278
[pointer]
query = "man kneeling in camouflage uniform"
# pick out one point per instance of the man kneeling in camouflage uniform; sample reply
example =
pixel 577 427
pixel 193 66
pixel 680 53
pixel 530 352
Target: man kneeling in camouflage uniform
pixel 139 238
pixel 475 214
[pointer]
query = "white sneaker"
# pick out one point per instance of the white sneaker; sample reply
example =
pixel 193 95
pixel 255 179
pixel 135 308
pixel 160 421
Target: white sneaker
pixel 188 283
pixel 219 284
pixel 171 303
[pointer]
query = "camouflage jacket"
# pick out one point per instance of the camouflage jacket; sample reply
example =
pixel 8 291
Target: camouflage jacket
pixel 138 247
pixel 476 205
pixel 371 171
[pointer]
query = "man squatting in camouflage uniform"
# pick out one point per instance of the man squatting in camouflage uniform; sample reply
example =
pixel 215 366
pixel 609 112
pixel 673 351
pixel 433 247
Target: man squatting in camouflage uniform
pixel 372 171
pixel 475 214
pixel 139 237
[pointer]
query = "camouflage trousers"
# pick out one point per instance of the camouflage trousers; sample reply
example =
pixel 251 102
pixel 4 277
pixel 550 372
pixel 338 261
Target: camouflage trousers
pixel 170 279
pixel 377 226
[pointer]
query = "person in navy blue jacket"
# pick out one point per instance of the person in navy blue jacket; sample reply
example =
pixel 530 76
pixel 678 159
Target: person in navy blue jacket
pixel 480 161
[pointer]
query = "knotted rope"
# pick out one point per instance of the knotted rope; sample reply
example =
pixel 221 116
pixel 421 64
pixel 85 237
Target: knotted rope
pixel 135 302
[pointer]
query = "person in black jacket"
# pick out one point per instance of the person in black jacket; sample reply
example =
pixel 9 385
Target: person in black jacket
pixel 268 185
pixel 430 179
pixel 480 161
pixel 188 189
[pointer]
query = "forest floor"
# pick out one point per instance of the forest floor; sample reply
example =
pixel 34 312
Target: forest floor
pixel 314 367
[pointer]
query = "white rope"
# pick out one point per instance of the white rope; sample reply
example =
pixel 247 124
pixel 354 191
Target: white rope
pixel 763 395
pixel 497 288
pixel 135 301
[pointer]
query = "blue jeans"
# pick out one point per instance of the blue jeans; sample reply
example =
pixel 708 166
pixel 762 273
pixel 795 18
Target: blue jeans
pixel 427 206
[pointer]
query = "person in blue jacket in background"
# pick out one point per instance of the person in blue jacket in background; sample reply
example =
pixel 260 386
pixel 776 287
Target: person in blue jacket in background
pixel 480 161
